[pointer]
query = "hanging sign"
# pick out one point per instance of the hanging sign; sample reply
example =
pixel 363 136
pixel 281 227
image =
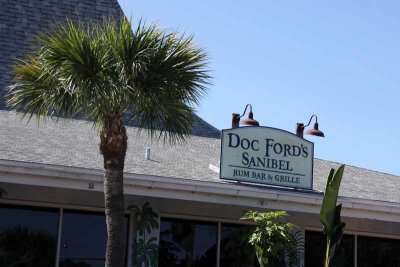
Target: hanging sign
pixel 268 156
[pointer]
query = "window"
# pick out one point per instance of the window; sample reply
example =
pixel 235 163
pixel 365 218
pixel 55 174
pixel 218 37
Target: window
pixel 186 243
pixel 28 236
pixel 375 252
pixel 235 250
pixel 83 239
pixel 316 247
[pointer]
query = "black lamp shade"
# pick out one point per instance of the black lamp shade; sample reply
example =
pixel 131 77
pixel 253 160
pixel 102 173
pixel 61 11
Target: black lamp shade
pixel 249 121
pixel 315 131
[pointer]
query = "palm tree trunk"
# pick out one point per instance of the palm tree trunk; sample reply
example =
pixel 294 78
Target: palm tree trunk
pixel 113 147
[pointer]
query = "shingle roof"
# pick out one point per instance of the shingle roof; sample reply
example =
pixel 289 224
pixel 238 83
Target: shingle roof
pixel 21 20
pixel 75 143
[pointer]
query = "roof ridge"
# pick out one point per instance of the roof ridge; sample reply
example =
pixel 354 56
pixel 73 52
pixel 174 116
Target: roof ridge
pixel 208 124
pixel 356 167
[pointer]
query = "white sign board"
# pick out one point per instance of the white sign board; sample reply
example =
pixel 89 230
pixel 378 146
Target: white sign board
pixel 266 155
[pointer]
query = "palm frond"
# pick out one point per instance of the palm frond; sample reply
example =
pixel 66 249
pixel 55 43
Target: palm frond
pixel 98 69
pixel 164 75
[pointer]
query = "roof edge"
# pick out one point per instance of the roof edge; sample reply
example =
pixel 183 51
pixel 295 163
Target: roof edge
pixel 196 190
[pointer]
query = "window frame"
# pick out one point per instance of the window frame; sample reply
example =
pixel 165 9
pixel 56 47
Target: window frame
pixel 356 235
pixel 218 221
pixel 60 208
pixel 44 208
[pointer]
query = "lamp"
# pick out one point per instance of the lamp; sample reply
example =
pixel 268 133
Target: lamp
pixel 314 131
pixel 250 121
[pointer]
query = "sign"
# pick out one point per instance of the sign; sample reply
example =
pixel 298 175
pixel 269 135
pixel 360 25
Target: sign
pixel 268 156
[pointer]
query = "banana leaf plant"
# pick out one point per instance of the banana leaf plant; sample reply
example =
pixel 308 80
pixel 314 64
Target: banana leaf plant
pixel 333 227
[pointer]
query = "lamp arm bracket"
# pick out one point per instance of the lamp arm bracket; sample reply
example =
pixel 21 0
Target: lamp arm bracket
pixel 245 109
pixel 316 120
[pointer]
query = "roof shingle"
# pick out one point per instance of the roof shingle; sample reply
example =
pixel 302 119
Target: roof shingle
pixel 75 143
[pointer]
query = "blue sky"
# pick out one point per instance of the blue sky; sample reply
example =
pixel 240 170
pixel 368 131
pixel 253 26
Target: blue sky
pixel 291 59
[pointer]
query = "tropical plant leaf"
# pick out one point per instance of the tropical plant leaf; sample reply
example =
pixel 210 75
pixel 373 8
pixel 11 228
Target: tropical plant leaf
pixel 154 76
pixel 337 235
pixel 330 217
pixel 327 214
pixel 262 259
pixel 271 237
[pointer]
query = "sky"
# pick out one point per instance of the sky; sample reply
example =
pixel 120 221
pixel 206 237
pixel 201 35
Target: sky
pixel 339 60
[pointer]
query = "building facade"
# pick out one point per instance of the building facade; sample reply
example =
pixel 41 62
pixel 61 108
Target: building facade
pixel 53 214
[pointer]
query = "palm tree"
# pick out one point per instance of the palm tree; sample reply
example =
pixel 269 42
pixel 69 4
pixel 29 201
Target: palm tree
pixel 109 73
